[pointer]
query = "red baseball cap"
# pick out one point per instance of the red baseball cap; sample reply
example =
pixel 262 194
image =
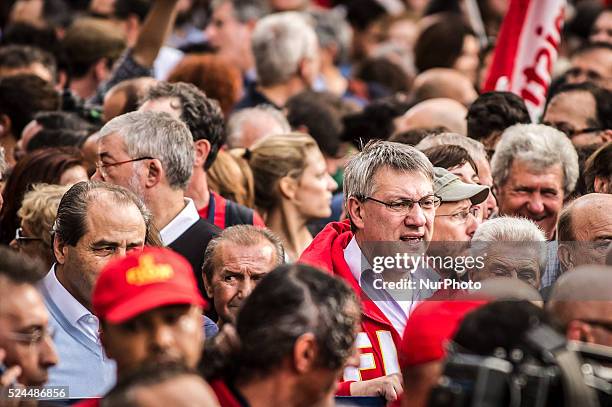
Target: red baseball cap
pixel 430 326
pixel 143 280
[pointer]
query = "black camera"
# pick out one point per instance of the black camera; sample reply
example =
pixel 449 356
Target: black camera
pixel 546 372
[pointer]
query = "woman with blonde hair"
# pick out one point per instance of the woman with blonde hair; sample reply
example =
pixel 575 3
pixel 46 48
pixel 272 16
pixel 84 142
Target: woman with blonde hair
pixel 292 187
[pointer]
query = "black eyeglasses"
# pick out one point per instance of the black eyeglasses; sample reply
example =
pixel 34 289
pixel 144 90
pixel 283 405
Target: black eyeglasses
pixel 405 205
pixel 19 237
pixel 103 166
pixel 572 132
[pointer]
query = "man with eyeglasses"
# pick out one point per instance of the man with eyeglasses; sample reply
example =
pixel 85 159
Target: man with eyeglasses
pixel 26 347
pixel 581 304
pixel 390 204
pixel 583 112
pixel 152 154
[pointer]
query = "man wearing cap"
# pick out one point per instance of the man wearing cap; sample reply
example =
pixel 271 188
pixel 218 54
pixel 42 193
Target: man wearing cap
pixel 458 216
pixel 150 311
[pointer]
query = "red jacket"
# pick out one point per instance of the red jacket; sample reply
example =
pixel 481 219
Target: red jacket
pixel 224 394
pixel 378 340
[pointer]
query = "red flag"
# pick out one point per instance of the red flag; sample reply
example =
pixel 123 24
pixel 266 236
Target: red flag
pixel 526 51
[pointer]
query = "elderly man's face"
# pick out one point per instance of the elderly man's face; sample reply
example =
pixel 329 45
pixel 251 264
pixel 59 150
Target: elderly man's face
pixel 535 195
pixel 505 259
pixel 379 222
pixel 24 333
pixel 105 238
pixel 593 66
pixel 238 270
pixel 574 113
pixel 164 334
pixel 456 221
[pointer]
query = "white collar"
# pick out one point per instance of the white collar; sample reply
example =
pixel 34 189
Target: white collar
pixel 70 307
pixel 181 222
pixel 355 259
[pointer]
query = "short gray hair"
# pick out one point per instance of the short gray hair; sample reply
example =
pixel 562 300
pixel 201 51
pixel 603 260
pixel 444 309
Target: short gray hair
pixel 540 147
pixel 280 42
pixel 361 169
pixel 157 135
pixel 512 230
pixel 245 10
pixel 243 236
pixel 474 148
pixel 234 128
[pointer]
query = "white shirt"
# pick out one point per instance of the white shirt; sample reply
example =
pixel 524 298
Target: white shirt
pixel 181 222
pixel 78 316
pixel 397 312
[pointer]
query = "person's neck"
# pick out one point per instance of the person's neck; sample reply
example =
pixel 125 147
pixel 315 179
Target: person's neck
pixel 198 188
pixel 67 283
pixel 278 389
pixel 165 204
pixel 291 228
pixel 8 142
pixel 334 80
pixel 279 94
pixel 84 87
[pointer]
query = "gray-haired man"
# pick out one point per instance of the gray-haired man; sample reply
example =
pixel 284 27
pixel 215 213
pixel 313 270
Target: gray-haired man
pixel 152 154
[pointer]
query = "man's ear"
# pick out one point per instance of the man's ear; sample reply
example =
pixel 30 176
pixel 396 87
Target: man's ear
pixel 288 187
pixel 354 210
pixel 601 185
pixel 155 173
pixel 566 257
pixel 579 331
pixel 100 70
pixel 202 150
pixel 59 249
pixel 207 286
pixel 5 125
pixel 305 353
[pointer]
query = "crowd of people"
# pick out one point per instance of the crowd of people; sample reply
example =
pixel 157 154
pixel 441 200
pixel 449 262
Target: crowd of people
pixel 297 203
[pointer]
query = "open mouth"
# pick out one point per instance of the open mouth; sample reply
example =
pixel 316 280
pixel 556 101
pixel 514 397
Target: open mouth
pixel 412 239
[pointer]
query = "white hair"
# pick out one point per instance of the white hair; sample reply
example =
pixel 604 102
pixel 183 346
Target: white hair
pixel 540 147
pixel 280 42
pixel 235 123
pixel 512 230
pixel 157 135
pixel 474 148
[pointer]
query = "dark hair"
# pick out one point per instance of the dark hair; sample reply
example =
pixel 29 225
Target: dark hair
pixel 19 269
pixel 294 299
pixel 599 164
pixel 201 114
pixel 581 23
pixel 603 101
pixel 382 72
pixel 22 56
pixel 56 138
pixel 375 122
pixel 448 156
pixel 592 46
pixel 361 13
pixel 584 152
pixel 441 43
pixel 59 120
pixel 319 114
pixel 500 324
pixel 125 8
pixel 413 137
pixel 41 166
pixel 146 375
pixel 70 223
pixel 495 111
pixel 21 96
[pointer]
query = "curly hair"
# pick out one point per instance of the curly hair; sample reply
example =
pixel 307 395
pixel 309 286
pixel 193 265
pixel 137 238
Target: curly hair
pixel 39 207
pixel 201 114
pixel 213 75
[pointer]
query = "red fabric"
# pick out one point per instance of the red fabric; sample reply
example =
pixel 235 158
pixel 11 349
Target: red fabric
pixel 88 403
pixel 430 326
pixel 144 280
pixel 378 340
pixel 224 395
pixel 220 204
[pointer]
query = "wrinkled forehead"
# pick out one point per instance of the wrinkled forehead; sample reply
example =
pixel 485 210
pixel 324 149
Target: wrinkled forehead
pixel 388 179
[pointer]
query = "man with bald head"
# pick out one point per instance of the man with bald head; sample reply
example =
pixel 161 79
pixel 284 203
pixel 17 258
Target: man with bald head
pixel 125 96
pixel 433 113
pixel 585 231
pixel 581 304
pixel 444 83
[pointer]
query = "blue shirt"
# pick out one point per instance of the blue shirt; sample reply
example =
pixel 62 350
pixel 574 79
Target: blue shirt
pixel 83 366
